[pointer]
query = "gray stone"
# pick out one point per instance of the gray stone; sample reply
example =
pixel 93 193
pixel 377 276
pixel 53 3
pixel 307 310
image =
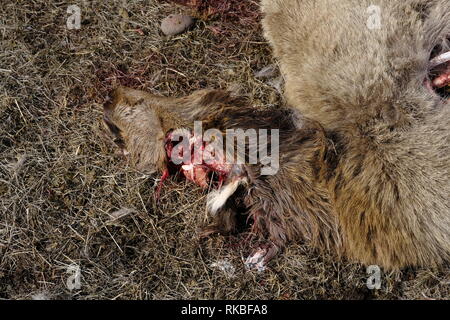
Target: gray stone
pixel 176 24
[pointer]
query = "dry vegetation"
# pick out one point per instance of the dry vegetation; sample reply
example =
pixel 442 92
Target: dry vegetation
pixel 67 198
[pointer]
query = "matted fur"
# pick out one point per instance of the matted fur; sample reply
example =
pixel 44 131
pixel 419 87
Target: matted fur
pixel 316 195
pixel 391 185
pixel 365 171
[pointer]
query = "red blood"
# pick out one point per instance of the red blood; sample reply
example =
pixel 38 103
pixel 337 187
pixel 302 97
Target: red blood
pixel 164 176
pixel 197 174
pixel 200 166
pixel 443 79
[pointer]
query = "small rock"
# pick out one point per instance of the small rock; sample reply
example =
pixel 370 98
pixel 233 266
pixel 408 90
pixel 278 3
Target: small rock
pixel 176 24
pixel 267 72
pixel 123 212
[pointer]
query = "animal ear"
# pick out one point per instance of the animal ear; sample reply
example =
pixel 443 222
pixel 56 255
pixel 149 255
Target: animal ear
pixel 136 128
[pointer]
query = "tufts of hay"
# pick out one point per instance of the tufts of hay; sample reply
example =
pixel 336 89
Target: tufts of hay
pixel 67 200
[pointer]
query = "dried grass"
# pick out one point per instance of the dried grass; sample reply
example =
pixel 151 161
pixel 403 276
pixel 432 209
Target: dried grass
pixel 66 198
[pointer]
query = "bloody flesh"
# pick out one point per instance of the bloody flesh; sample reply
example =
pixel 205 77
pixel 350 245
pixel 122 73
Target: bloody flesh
pixel 440 74
pixel 198 164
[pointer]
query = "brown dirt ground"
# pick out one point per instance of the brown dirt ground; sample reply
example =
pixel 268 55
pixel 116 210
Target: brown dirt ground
pixel 61 183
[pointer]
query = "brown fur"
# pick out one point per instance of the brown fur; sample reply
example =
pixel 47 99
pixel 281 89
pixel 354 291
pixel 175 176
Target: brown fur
pixel 391 186
pixel 291 205
pixel 365 171
pixel 139 121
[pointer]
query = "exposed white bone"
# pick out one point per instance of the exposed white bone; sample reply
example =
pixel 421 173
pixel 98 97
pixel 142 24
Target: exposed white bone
pixel 443 58
pixel 217 198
